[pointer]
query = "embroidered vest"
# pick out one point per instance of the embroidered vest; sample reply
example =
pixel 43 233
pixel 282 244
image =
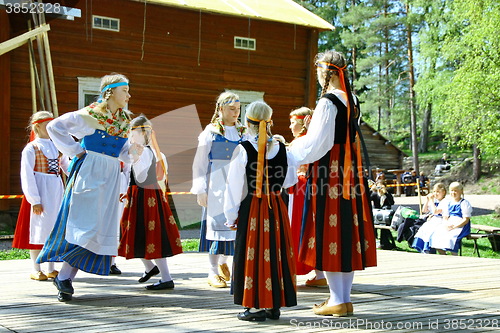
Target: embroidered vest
pixel 44 164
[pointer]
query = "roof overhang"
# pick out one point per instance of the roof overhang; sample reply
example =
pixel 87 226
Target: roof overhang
pixel 284 11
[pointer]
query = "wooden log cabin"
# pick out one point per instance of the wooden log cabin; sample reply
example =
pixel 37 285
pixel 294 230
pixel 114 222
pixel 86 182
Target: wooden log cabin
pixel 178 55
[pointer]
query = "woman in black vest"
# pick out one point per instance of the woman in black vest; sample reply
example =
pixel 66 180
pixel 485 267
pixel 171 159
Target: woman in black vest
pixel 339 236
pixel 264 263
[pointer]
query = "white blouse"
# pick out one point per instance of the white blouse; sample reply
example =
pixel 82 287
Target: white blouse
pixel 73 124
pixel 201 160
pixel 235 186
pixel 320 134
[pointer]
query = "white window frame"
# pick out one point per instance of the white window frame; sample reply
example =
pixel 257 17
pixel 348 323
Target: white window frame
pixel 248 41
pixel 87 86
pixel 105 18
pixel 247 97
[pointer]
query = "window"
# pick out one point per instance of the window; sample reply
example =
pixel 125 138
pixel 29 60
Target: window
pixel 247 97
pixel 88 90
pixel 105 23
pixel 245 43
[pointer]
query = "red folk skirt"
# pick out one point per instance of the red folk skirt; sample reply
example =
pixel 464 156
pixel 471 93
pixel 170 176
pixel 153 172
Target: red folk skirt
pixel 22 233
pixel 298 192
pixel 264 261
pixel 148 227
pixel 339 235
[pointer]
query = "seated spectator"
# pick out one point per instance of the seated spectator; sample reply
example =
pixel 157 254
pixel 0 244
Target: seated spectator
pixel 382 199
pixel 442 165
pixel 432 209
pixel 380 177
pixel 456 224
pixel 409 177
pixel 423 180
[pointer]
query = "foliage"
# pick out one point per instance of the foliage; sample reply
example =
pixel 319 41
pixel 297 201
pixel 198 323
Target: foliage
pixel 457 66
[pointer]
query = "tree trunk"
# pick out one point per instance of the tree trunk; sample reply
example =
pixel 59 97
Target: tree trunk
pixel 424 135
pixel 413 118
pixel 476 166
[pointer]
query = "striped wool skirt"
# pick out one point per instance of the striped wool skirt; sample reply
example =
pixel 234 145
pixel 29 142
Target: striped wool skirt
pixel 264 264
pixel 148 226
pixel 213 246
pixel 56 248
pixel 339 234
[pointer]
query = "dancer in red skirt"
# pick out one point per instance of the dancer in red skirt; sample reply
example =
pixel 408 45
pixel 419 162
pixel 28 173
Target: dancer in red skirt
pixel 299 121
pixel 43 188
pixel 264 262
pixel 339 235
pixel 148 227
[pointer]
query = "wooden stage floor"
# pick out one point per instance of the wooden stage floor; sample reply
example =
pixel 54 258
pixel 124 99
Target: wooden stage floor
pixel 407 292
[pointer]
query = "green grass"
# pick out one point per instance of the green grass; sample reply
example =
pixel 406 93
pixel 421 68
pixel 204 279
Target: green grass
pixel 190 245
pixel 484 245
pixel 14 254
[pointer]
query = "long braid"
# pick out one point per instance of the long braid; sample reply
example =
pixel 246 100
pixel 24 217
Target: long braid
pixel 216 113
pixel 328 76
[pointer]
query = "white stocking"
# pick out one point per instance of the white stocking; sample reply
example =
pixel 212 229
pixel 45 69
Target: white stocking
pixel 214 262
pixel 319 274
pixel 335 284
pixel 162 265
pixel 50 267
pixel 33 255
pixel 67 272
pixel 148 264
pixel 222 259
pixel 347 286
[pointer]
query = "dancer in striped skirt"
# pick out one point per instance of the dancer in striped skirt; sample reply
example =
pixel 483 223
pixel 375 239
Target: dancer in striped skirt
pixel 85 234
pixel 215 147
pixel 339 236
pixel 264 260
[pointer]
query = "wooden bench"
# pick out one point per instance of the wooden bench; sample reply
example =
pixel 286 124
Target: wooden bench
pixel 483 231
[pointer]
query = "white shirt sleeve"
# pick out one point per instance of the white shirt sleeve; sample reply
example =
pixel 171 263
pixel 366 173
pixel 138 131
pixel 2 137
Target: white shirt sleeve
pixel 201 162
pixel 235 184
pixel 62 128
pixel 466 208
pixel 28 181
pixel 291 173
pixel 64 164
pixel 142 165
pixel 320 135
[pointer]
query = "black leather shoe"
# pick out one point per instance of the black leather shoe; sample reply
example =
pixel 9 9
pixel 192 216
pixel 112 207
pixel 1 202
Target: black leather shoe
pixel 148 275
pixel 64 286
pixel 273 313
pixel 161 285
pixel 63 297
pixel 114 270
pixel 252 316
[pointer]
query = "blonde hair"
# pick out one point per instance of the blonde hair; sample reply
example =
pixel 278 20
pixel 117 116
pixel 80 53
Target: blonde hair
pixel 334 58
pixel 40 115
pixel 105 81
pixel 457 186
pixel 302 111
pixel 259 110
pixel 227 97
pixel 438 187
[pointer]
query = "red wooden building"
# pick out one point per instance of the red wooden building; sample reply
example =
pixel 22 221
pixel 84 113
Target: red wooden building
pixel 176 53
